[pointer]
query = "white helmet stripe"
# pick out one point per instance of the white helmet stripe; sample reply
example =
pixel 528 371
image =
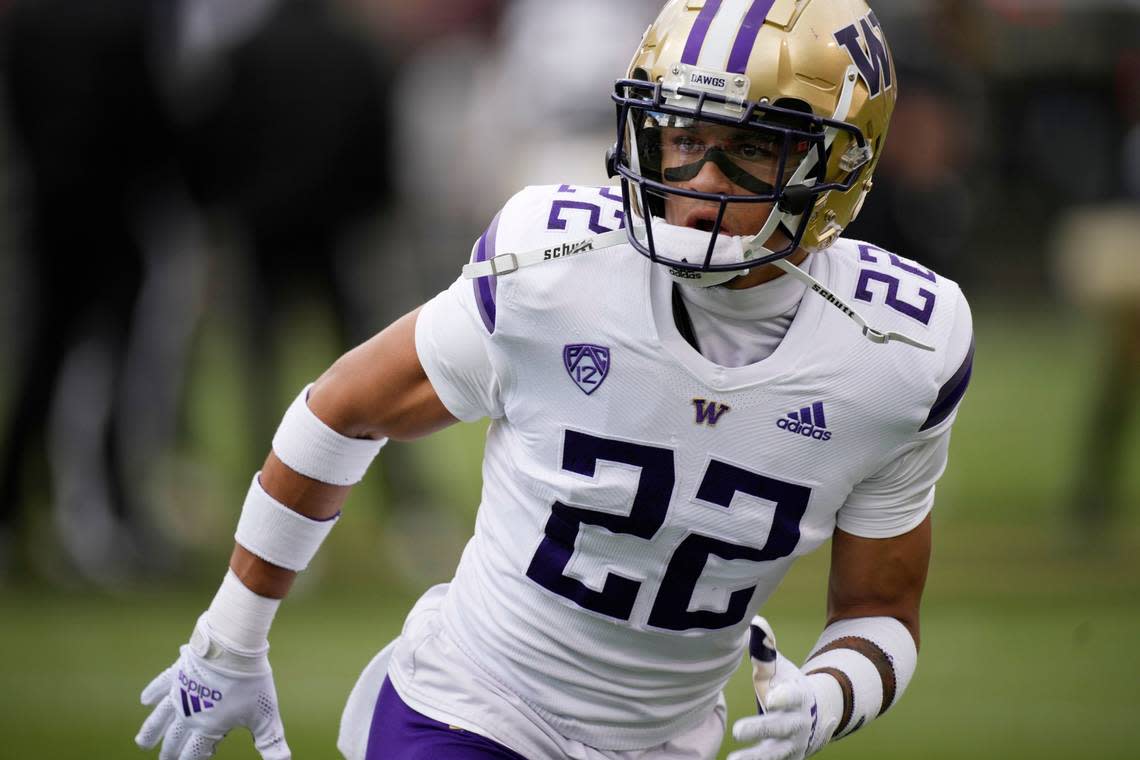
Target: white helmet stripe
pixel 722 34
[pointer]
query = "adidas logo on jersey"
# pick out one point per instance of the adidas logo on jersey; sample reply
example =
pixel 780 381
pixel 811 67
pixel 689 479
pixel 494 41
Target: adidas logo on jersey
pixel 808 422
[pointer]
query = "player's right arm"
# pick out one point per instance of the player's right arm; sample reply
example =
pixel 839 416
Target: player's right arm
pixel 376 391
pixel 222 677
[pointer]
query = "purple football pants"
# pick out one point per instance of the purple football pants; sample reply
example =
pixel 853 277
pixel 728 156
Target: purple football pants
pixel 400 733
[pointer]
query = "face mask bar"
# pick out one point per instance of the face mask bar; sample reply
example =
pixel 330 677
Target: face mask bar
pixel 647 248
pixel 635 98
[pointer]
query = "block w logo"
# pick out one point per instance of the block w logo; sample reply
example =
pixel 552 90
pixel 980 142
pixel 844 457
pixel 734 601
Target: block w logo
pixel 709 412
pixel 874 63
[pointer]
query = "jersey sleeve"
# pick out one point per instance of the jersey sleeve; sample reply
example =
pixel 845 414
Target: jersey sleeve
pixel 455 350
pixel 899 496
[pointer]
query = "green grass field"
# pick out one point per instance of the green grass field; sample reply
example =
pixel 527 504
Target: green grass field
pixel 1030 630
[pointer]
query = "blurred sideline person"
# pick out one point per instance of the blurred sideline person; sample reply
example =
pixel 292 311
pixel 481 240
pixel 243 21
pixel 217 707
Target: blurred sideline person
pixel 1097 268
pixel 93 141
pixel 137 121
pixel 670 431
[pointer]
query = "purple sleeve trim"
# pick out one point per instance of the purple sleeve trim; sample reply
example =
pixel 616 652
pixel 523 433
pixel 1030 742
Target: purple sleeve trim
pixel 951 392
pixel 746 37
pixel 487 287
pixel 698 33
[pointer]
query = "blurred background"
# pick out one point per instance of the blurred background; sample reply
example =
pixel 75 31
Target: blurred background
pixel 204 202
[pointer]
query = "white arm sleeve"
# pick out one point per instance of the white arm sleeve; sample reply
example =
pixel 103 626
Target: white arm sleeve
pixel 454 348
pixel 900 495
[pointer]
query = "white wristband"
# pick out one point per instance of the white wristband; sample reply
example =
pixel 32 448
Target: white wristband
pixel 307 445
pixel 277 534
pixel 872 660
pixel 239 619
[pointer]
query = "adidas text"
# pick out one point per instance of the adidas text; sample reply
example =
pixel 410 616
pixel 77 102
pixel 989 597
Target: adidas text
pixel 808 431
pixel 194 688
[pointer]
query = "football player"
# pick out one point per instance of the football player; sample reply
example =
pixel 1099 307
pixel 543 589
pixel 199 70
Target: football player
pixel 669 432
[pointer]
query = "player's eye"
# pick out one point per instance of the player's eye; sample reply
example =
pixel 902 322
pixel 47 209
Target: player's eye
pixel 752 150
pixel 688 144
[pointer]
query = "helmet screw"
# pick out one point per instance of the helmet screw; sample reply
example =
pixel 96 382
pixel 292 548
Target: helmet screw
pixel 676 70
pixel 867 186
pixel 829 217
pixel 851 77
pixel 739 81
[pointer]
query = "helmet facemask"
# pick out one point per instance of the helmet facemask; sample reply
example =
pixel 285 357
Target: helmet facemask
pixel 719 186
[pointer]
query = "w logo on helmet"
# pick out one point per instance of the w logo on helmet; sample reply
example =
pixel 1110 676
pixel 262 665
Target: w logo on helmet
pixel 874 63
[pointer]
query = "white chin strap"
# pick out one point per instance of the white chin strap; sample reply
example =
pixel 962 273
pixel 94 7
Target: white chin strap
pixel 873 335
pixel 506 263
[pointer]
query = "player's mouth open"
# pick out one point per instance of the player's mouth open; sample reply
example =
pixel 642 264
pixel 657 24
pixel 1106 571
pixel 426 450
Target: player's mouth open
pixel 706 222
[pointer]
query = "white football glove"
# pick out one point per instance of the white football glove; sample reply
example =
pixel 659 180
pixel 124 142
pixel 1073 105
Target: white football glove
pixel 786 728
pixel 205 693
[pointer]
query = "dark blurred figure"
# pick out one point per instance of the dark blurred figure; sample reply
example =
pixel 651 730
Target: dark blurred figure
pixel 92 137
pixel 925 201
pixel 268 114
pixel 1099 269
pixel 287 135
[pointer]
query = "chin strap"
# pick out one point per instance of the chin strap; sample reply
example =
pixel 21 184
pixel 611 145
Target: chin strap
pixel 873 335
pixel 505 263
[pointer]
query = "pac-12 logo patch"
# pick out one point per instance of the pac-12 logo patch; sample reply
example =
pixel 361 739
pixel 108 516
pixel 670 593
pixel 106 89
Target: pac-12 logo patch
pixel 587 364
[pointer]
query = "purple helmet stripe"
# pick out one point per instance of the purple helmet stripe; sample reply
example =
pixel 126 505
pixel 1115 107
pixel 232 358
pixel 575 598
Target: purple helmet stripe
pixel 746 37
pixel 817 410
pixel 699 31
pixel 951 392
pixel 486 287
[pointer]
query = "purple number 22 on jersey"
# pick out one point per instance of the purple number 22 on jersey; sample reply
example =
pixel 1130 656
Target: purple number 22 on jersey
pixel 867 276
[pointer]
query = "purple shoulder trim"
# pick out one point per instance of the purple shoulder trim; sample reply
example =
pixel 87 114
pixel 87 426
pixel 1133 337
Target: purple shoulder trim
pixel 951 392
pixel 486 287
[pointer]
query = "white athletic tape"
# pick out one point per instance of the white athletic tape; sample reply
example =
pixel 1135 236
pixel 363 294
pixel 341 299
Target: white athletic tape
pixel 239 618
pixel 872 658
pixel 308 446
pixel 278 534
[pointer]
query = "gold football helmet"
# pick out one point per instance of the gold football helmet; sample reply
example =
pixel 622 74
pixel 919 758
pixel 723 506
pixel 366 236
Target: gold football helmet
pixel 755 123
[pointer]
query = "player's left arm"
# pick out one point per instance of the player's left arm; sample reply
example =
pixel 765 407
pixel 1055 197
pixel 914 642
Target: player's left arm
pixel 879 577
pixel 868 652
pixel 863 660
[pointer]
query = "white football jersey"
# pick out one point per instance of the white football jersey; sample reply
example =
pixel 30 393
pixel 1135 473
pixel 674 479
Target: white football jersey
pixel 639 502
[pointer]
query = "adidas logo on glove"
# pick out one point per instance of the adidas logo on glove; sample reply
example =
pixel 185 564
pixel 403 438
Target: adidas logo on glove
pixel 196 697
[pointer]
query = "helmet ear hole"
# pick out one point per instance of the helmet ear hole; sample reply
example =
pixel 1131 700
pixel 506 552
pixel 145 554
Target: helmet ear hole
pixel 639 73
pixel 793 104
